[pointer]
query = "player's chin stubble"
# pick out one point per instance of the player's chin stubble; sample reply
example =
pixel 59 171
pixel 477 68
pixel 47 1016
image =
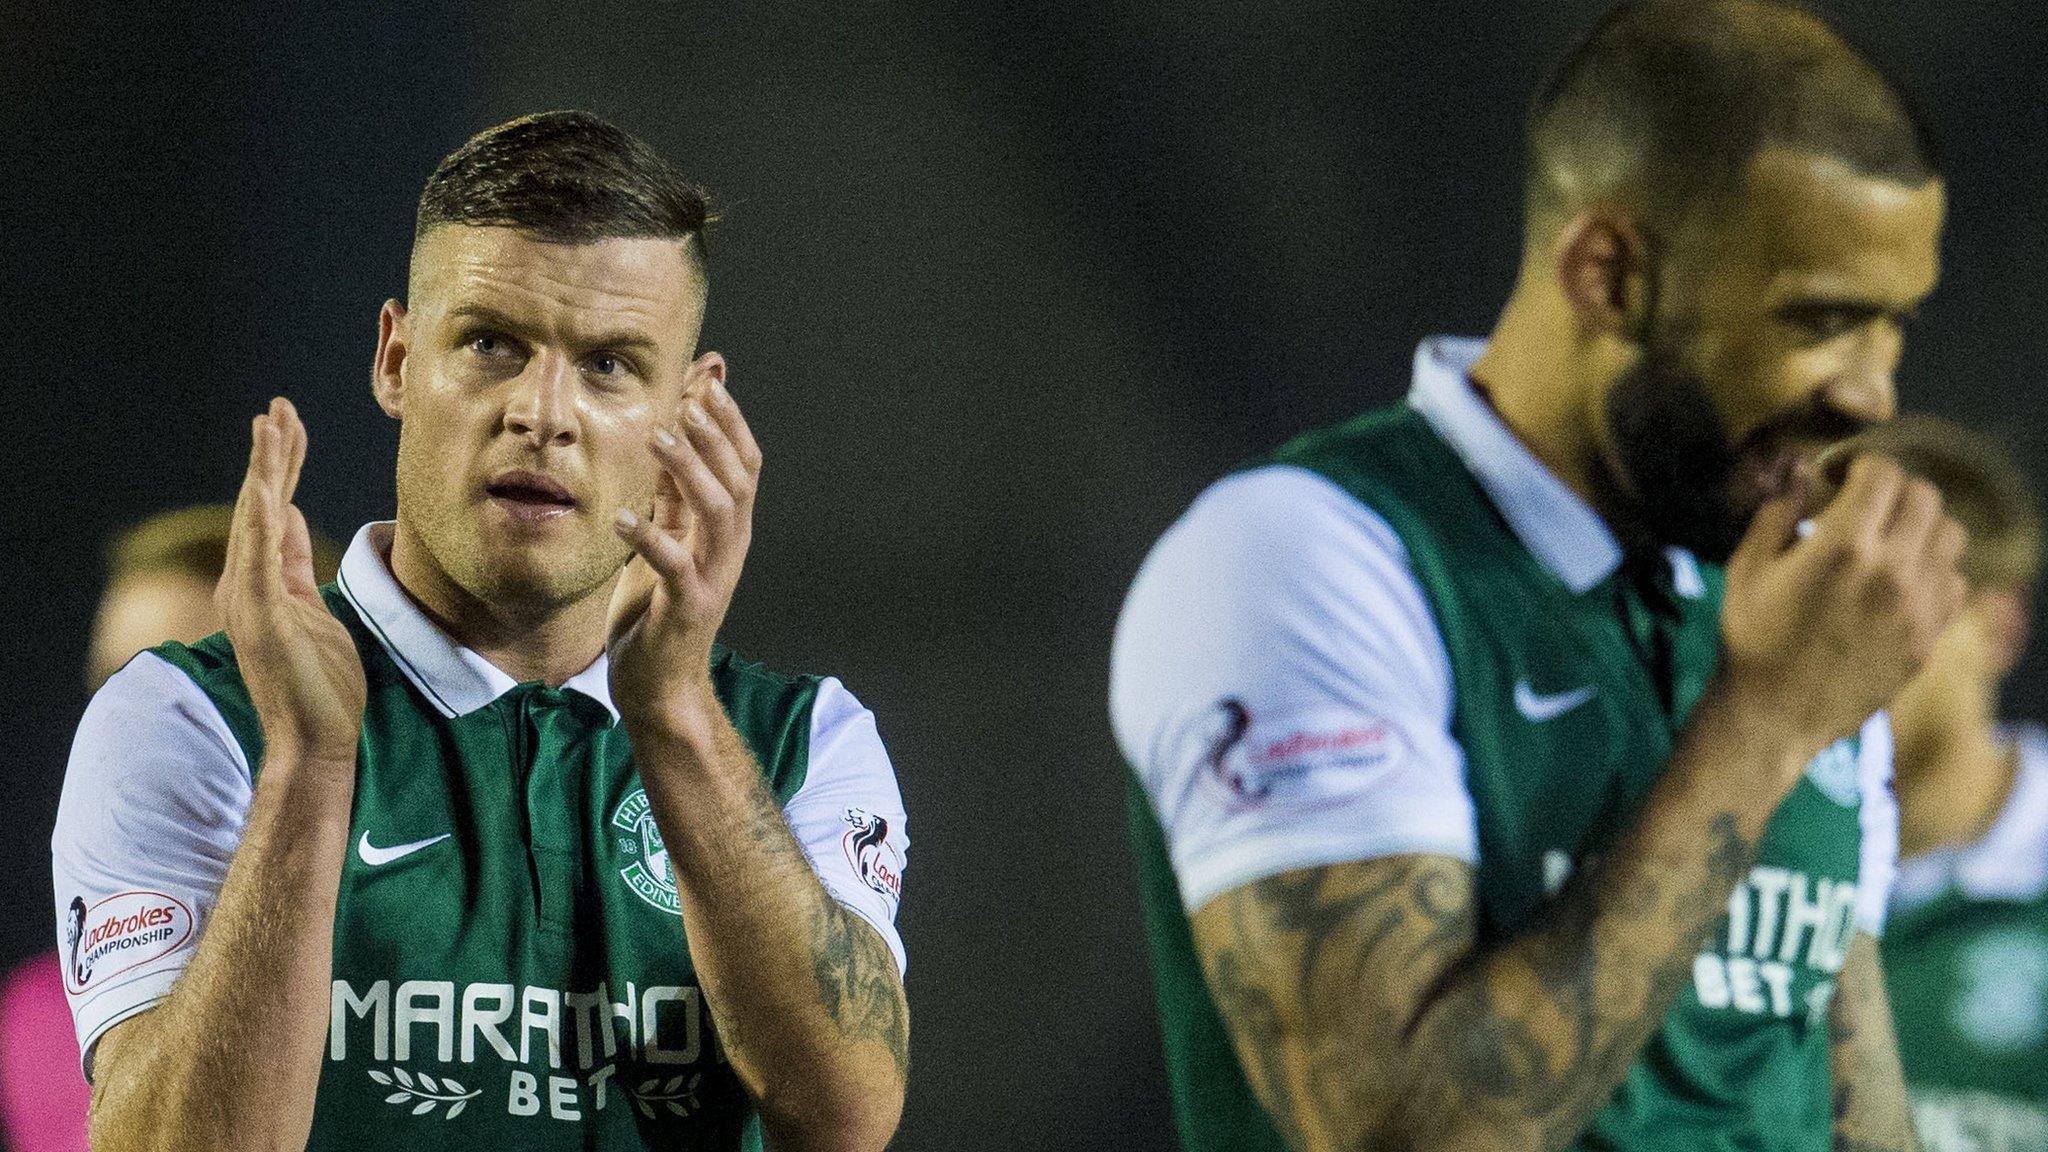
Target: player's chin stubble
pixel 451 528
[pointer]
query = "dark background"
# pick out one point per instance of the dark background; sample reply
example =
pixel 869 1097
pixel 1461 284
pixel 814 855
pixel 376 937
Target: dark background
pixel 1002 287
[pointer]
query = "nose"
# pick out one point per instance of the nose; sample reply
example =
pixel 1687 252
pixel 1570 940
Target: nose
pixel 542 404
pixel 1870 399
pixel 1867 389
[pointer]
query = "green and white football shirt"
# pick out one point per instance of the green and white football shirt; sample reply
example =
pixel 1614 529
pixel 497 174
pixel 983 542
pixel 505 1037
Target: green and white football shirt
pixel 510 966
pixel 1966 956
pixel 1404 635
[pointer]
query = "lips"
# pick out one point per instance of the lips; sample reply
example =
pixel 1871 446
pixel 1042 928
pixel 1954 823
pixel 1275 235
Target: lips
pixel 530 495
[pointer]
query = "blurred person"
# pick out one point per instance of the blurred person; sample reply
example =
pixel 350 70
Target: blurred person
pixel 160 586
pixel 1508 769
pixel 488 844
pixel 1966 949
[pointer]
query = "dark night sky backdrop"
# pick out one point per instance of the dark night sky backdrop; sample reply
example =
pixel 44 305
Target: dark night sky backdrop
pixel 1002 287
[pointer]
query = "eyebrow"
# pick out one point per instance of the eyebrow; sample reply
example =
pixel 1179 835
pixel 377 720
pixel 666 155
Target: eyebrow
pixel 621 338
pixel 1854 305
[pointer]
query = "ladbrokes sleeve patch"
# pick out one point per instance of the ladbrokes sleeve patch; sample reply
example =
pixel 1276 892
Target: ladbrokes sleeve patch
pixel 849 816
pixel 1253 763
pixel 155 797
pixel 1265 794
pixel 120 934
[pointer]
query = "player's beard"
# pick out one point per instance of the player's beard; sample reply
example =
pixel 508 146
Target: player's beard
pixel 1674 476
pixel 1668 479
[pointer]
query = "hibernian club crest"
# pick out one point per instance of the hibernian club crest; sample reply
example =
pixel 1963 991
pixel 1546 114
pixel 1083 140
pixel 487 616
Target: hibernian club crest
pixel 648 875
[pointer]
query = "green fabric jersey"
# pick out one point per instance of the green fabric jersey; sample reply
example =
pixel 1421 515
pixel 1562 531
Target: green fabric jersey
pixel 1966 959
pixel 510 967
pixel 1564 708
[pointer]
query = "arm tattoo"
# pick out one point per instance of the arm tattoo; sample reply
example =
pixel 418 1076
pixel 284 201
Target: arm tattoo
pixel 857 982
pixel 1871 1113
pixel 1364 1009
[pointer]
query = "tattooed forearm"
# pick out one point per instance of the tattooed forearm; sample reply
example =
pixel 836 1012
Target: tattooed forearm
pixel 804 994
pixel 1367 1012
pixel 857 983
pixel 1871 1111
pixel 1272 949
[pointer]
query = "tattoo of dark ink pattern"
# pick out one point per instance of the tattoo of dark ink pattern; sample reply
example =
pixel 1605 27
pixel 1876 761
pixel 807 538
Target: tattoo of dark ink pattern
pixel 1529 1037
pixel 857 982
pixel 1864 1058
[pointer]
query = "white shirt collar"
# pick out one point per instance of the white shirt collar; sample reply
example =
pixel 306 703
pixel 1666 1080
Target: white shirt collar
pixel 1560 529
pixel 455 679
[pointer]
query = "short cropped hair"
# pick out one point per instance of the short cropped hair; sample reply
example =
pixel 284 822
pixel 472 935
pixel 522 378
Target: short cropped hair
pixel 1981 488
pixel 1663 104
pixel 192 542
pixel 565 178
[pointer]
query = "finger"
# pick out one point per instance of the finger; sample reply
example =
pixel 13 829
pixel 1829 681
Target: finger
pixel 1773 529
pixel 725 411
pixel 242 530
pixel 704 495
pixel 263 575
pixel 1950 540
pixel 1860 512
pixel 714 444
pixel 296 559
pixel 294 446
pixel 1913 520
pixel 662 551
pixel 669 512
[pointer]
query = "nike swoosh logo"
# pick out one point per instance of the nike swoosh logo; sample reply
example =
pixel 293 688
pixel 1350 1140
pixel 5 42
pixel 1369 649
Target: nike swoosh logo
pixel 1541 708
pixel 374 856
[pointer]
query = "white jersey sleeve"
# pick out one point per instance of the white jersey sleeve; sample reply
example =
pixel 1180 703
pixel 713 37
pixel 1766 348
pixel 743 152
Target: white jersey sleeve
pixel 1878 817
pixel 1279 686
pixel 154 801
pixel 848 813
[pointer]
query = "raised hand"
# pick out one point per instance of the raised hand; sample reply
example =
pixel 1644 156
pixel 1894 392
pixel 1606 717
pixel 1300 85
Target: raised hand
pixel 297 660
pixel 1829 626
pixel 687 559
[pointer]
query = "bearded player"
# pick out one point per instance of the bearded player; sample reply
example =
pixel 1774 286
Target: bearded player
pixel 1505 770
pixel 488 844
pixel 1966 946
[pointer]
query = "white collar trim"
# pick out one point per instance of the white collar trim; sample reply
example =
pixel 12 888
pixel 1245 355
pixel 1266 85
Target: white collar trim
pixel 456 680
pixel 1561 530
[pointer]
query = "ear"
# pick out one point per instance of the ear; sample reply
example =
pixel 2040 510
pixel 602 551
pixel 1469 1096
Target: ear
pixel 702 371
pixel 1603 268
pixel 387 374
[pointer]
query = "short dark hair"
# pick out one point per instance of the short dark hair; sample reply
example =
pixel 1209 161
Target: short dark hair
pixel 566 178
pixel 1666 101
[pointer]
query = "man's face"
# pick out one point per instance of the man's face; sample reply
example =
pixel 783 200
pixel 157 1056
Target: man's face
pixel 1783 339
pixel 527 377
pixel 144 610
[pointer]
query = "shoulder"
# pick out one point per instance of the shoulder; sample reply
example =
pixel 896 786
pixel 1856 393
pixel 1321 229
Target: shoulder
pixel 1273 528
pixel 775 712
pixel 209 666
pixel 759 691
pixel 158 693
pixel 1275 577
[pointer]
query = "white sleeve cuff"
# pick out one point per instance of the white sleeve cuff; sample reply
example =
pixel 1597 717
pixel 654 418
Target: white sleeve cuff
pixel 118 1002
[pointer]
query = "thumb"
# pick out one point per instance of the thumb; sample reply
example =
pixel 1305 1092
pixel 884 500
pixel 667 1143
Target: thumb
pixel 1773 530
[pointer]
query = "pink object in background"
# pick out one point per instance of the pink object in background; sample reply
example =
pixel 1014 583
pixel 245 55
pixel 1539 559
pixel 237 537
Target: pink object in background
pixel 43 1095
